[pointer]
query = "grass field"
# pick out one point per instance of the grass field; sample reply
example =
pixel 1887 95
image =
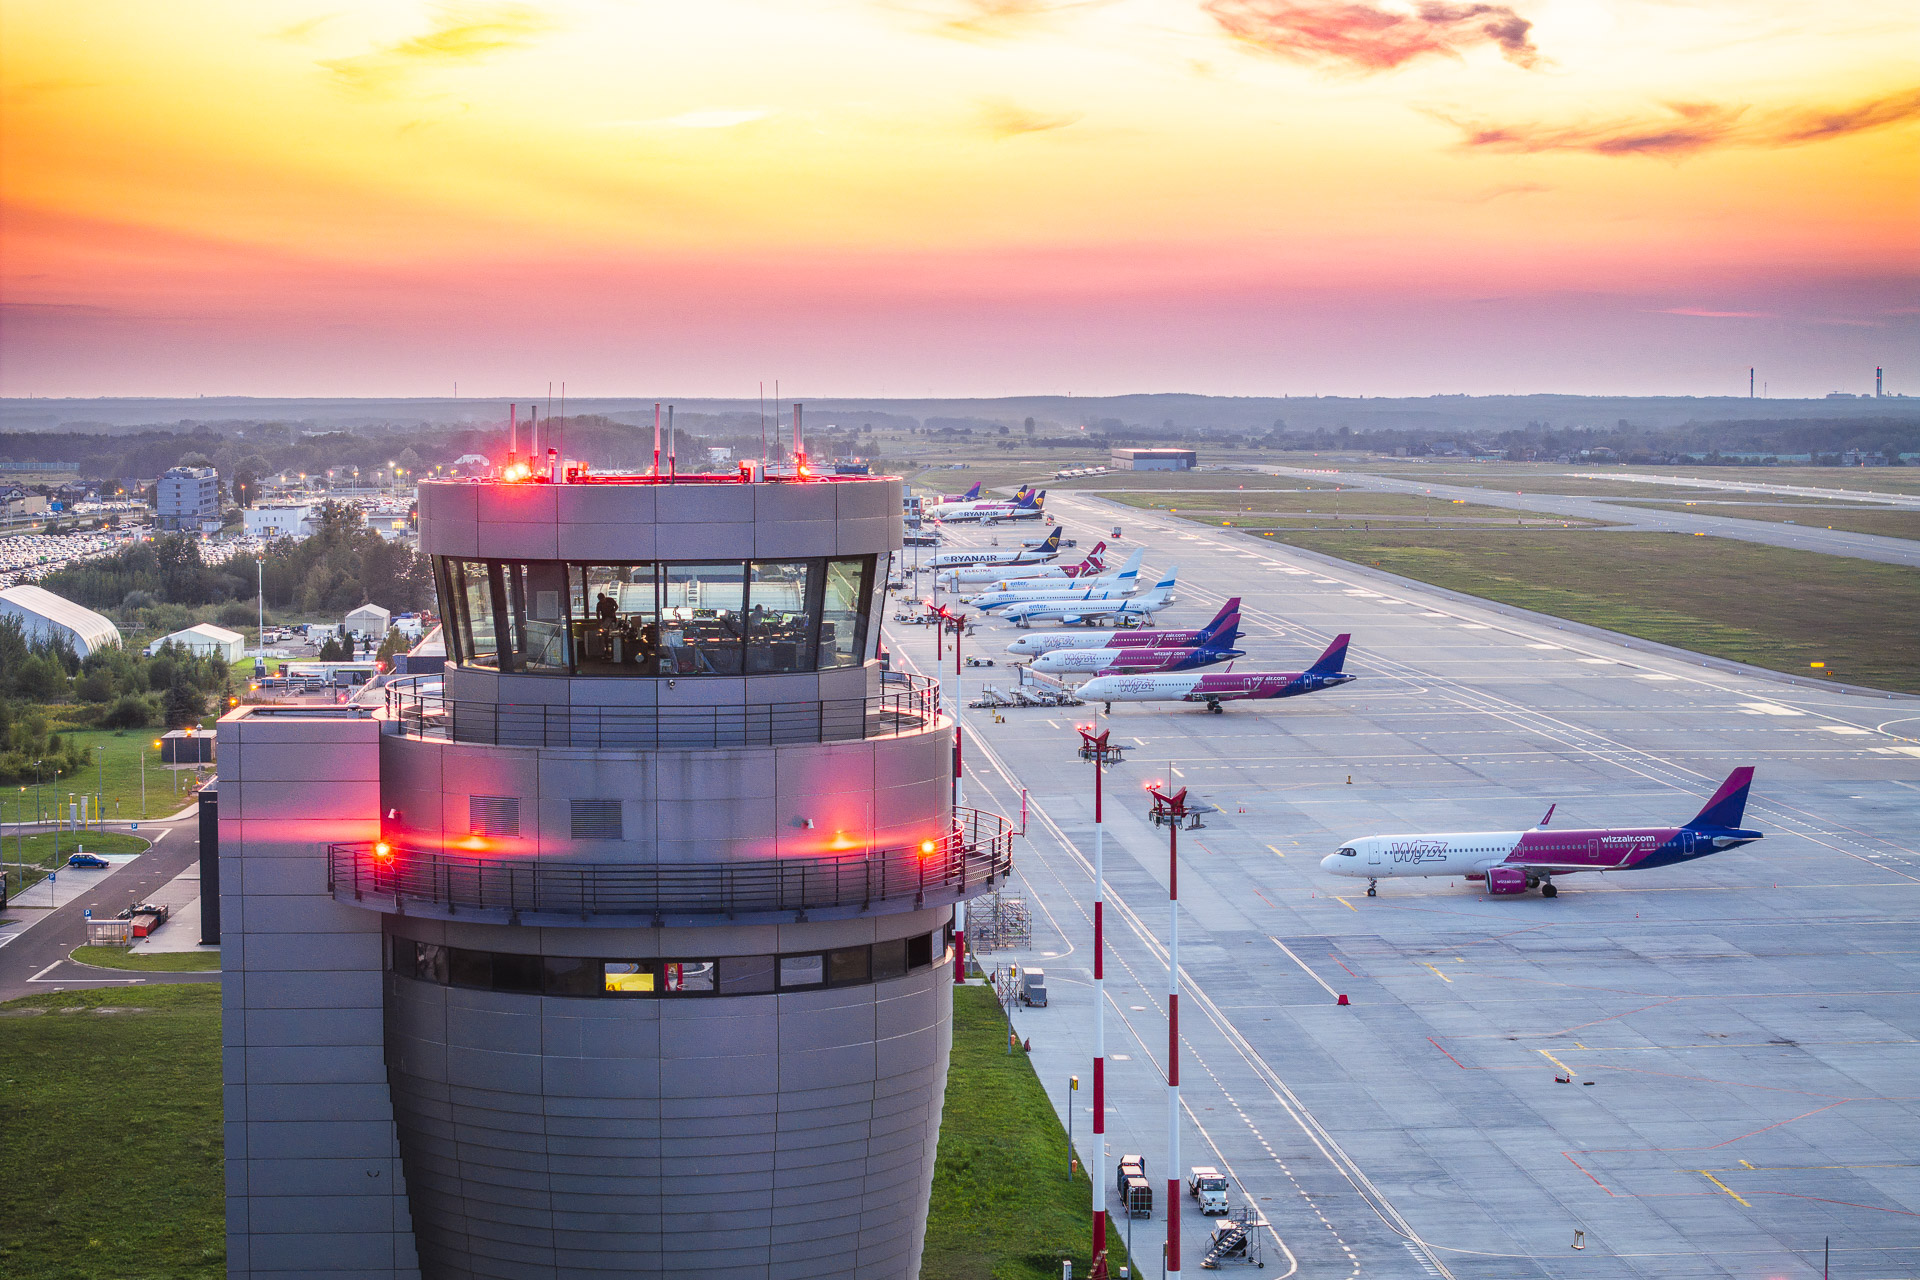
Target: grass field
pixel 1255 508
pixel 112 1139
pixel 1768 606
pixel 1888 522
pixel 1002 1207
pixel 1535 477
pixel 148 961
pixel 45 851
pixel 117 773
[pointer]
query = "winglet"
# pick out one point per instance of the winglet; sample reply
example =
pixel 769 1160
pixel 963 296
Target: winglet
pixel 1549 818
pixel 1729 803
pixel 1331 662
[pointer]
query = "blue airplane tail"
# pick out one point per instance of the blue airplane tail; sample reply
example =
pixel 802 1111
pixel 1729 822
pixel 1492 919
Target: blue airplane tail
pixel 1028 498
pixel 1333 660
pixel 1729 803
pixel 1224 629
pixel 1052 542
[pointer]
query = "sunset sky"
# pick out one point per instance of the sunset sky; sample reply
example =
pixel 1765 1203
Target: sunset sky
pixel 958 197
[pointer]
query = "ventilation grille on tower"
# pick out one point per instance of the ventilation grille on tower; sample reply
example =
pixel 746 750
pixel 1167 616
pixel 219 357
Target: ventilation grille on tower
pixel 597 820
pixel 493 815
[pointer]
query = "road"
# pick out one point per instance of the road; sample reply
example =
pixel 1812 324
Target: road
pixel 36 960
pixel 1836 542
pixel 1750 1022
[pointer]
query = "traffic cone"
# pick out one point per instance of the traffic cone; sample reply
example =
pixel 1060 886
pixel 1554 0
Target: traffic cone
pixel 1342 1000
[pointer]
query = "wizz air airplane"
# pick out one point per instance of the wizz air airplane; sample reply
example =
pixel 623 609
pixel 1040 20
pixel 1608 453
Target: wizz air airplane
pixel 1214 689
pixel 1039 642
pixel 1515 861
pixel 1047 550
pixel 1146 659
pixel 997 577
pixel 1106 586
pixel 1026 505
pixel 971 495
pixel 1100 605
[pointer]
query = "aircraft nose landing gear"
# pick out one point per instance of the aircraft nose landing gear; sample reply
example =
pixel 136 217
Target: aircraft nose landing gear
pixel 1372 888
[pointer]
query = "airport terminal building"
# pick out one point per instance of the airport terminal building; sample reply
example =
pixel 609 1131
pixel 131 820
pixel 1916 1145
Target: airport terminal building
pixel 625 951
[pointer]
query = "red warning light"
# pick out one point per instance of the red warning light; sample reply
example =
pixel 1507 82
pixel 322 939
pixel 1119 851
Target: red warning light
pixel 926 847
pixel 383 851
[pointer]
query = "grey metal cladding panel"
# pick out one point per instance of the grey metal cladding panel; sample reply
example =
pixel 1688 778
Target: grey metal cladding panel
pixel 328 1252
pixel 780 539
pixel 315 1177
pixel 308 951
pixel 845 1132
pixel 516 503
pixel 900 1015
pixel 472 1024
pixel 270 1103
pixel 847 1065
pixel 741 1074
pixel 689 1031
pixel 807 1101
pixel 611 1078
pixel 905 1055
pixel 740 1154
pixel 605 504
pixel 821 1161
pixel 787 1267
pixel 611 541
pixel 867 536
pixel 695 542
pixel 336 1064
pixel 608 1185
pixel 511 1073
pixel 601 1264
pixel 321 1213
pixel 704 504
pixel 848 1025
pixel 804 1121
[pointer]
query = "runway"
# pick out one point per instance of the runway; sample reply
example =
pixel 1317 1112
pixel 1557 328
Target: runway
pixel 1628 519
pixel 1750 1022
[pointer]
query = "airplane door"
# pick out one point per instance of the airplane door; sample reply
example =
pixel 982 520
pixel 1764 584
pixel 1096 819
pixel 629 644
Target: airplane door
pixel 1373 856
pixel 1593 850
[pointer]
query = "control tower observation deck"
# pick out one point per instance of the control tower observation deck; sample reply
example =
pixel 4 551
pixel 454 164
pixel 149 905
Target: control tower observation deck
pixel 626 949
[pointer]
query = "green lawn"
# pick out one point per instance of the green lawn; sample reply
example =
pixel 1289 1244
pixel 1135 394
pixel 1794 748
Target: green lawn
pixel 1002 1207
pixel 116 772
pixel 1888 522
pixel 46 850
pixel 112 1139
pixel 1768 606
pixel 149 961
pixel 1259 509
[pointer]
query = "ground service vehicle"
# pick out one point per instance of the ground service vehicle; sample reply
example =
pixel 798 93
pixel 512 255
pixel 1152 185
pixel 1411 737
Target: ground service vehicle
pixel 1139 1198
pixel 1209 1186
pixel 1033 988
pixel 1130 1167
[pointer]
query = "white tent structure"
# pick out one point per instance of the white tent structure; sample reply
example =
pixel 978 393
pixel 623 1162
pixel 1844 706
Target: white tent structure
pixel 46 616
pixel 369 620
pixel 205 639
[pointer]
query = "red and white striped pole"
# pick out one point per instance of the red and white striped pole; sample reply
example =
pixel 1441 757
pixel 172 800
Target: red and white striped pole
pixel 1099 1018
pixel 1176 807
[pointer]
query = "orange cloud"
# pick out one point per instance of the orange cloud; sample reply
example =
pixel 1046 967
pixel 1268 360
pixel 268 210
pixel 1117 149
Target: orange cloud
pixel 1356 36
pixel 1692 127
pixel 1005 120
pixel 460 33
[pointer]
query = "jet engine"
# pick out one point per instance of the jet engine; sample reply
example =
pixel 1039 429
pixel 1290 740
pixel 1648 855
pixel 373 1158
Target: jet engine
pixel 1506 880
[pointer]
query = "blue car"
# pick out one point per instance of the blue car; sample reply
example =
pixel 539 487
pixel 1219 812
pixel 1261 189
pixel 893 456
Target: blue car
pixel 87 860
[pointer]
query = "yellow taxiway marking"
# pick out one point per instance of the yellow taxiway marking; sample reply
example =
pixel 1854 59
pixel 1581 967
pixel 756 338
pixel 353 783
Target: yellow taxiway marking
pixel 1723 1186
pixel 1436 973
pixel 1343 902
pixel 1276 852
pixel 1745 1163
pixel 1555 1061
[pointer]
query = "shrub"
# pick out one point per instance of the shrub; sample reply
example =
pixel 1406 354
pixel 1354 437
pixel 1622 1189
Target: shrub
pixel 238 613
pixel 130 711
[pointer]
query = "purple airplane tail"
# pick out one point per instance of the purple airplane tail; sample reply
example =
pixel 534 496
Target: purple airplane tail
pixel 1729 803
pixel 1224 628
pixel 971 494
pixel 1333 660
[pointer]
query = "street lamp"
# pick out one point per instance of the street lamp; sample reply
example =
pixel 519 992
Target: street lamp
pixel 1096 748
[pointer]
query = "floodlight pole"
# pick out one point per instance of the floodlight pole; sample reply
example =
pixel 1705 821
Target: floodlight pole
pixel 1099 1011
pixel 1173 808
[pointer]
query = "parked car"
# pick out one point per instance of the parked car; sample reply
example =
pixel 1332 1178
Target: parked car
pixel 87 860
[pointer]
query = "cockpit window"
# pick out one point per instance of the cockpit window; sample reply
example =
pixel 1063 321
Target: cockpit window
pixel 1348 852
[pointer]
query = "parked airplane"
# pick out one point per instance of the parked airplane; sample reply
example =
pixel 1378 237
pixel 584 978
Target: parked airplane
pixel 1026 505
pixel 1516 861
pixel 1099 606
pixel 971 495
pixel 1025 555
pixel 1213 689
pixel 1039 642
pixel 1107 586
pixel 994 577
pixel 1144 659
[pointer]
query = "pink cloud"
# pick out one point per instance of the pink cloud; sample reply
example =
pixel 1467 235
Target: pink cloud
pixel 1358 36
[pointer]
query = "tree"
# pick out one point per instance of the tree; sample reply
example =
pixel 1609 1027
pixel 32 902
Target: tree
pixel 1029 428
pixel 331 650
pixel 184 704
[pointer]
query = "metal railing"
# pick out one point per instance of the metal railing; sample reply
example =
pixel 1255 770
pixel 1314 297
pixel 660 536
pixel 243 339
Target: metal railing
pixel 970 859
pixel 907 704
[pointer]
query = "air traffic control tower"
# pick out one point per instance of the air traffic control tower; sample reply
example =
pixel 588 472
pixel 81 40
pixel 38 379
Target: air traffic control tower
pixel 627 950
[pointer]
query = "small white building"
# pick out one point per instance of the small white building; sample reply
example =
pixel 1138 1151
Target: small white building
pixel 46 616
pixel 369 620
pixel 278 522
pixel 205 639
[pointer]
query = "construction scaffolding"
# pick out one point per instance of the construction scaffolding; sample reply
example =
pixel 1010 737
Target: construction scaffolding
pixel 999 923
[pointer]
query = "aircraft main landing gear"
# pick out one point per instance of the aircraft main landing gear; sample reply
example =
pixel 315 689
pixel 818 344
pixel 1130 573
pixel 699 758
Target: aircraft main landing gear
pixel 1372 889
pixel 1213 705
pixel 1548 889
pixel 1108 706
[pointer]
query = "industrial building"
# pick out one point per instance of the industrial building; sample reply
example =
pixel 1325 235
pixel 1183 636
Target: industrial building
pixel 1154 459
pixel 205 638
pixel 627 950
pixel 278 522
pixel 46 616
pixel 188 498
